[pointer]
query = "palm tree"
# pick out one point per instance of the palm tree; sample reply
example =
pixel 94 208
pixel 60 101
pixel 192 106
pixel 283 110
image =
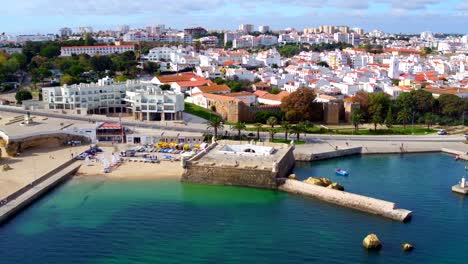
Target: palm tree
pixel 297 130
pixel 287 127
pixel 305 126
pixel 272 121
pixel 429 119
pixel 404 117
pixel 258 127
pixel 357 119
pixel 272 132
pixel 215 123
pixel 239 126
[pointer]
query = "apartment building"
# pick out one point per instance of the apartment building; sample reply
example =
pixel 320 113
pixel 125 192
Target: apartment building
pixel 95 50
pixel 144 101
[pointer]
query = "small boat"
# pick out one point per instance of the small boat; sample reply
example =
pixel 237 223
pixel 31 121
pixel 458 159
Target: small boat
pixel 341 172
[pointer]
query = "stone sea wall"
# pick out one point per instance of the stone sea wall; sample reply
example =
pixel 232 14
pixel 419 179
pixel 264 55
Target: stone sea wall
pixel 346 199
pixel 307 155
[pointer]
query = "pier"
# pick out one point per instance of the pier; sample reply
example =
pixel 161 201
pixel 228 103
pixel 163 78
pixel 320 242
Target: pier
pixel 346 199
pixel 18 200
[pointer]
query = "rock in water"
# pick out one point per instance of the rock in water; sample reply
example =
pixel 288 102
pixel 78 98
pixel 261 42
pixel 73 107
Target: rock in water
pixel 372 242
pixel 326 181
pixel 407 247
pixel 292 177
pixel 315 181
pixel 336 186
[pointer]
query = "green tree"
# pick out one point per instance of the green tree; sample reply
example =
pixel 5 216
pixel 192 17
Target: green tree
pixel 215 123
pixel 23 95
pixel 451 105
pixel 323 64
pixel 275 91
pixel 150 67
pixel 377 116
pixel 404 116
pixel 357 119
pixel 287 128
pixel 297 130
pixel 88 40
pixel 423 101
pixel 378 105
pixel 389 120
pixel 67 79
pixel 165 87
pixel 272 131
pixel 50 51
pixel 258 128
pixel 100 63
pixel 239 127
pixel 406 101
pixel 429 119
pixel 272 121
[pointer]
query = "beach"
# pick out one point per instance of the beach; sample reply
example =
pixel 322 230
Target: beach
pixel 134 171
pixel 130 170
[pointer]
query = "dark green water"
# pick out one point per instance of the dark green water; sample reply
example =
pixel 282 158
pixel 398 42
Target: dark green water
pixel 95 221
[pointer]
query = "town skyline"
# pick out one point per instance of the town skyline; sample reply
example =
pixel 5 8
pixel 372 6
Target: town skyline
pixel 387 15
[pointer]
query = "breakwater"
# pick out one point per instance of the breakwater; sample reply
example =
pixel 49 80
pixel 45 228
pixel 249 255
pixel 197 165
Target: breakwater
pixel 346 199
pixel 18 200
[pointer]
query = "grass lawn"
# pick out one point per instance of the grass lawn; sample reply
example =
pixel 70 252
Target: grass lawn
pixel 418 130
pixel 300 142
pixel 198 111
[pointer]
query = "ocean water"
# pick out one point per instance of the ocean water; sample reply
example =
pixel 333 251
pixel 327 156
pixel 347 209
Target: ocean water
pixel 97 221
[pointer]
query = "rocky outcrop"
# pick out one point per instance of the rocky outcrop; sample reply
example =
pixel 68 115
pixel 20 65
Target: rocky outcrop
pixel 372 242
pixel 324 182
pixel 407 247
pixel 336 186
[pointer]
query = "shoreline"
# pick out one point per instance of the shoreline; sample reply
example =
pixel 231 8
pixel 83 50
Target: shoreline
pixel 129 171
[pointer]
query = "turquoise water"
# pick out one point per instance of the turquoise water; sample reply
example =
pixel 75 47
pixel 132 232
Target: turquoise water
pixel 97 221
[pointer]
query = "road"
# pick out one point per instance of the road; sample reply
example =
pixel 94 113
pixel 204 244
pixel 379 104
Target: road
pixel 311 138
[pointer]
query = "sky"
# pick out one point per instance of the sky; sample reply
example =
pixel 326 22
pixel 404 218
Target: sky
pixel 392 16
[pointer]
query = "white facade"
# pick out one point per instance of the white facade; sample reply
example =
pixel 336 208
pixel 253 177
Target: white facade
pixel 247 28
pixel 263 29
pixel 393 71
pixel 95 50
pixel 109 97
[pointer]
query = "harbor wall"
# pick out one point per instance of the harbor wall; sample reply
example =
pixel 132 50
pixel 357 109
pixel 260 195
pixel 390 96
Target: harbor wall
pixel 18 200
pixel 302 155
pixel 346 199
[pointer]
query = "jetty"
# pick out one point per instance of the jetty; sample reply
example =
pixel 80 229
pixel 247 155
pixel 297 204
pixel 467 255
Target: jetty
pixel 346 199
pixel 18 200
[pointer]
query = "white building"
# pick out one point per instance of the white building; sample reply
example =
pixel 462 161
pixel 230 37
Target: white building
pixel 393 71
pixel 65 32
pixel 264 29
pixel 246 28
pixel 143 101
pixel 84 30
pixel 95 50
pixel 35 38
pixel 123 29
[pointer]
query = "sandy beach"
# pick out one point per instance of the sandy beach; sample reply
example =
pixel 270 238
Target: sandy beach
pixel 130 170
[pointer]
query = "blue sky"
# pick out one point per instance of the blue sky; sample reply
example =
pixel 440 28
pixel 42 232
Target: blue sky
pixel 410 16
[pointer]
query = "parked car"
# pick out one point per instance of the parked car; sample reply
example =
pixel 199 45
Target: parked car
pixel 128 153
pixel 441 132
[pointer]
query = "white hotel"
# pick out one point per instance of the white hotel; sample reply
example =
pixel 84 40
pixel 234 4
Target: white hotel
pixel 143 101
pixel 95 50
